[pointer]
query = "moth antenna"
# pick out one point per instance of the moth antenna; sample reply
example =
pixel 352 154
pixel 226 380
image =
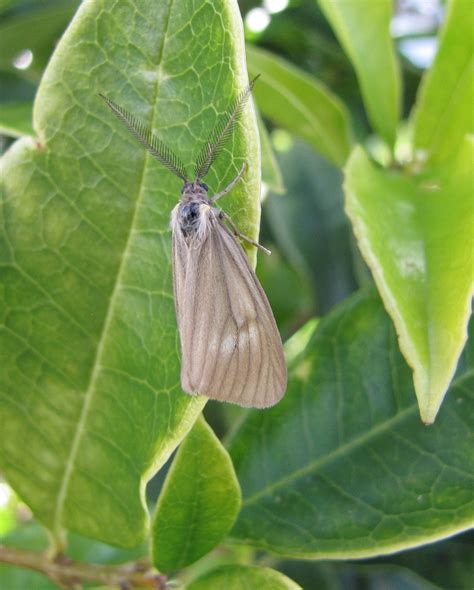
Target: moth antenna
pixel 223 130
pixel 148 139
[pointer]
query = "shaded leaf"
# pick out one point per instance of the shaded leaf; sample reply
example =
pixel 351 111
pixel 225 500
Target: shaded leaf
pixel 448 565
pixel 364 33
pixel 422 268
pixel 243 577
pixel 198 504
pixel 309 225
pixel 36 28
pixel 342 468
pixel 290 310
pixel 32 537
pixel 90 371
pixel 15 119
pixel 296 101
pixel 271 173
pixel 444 111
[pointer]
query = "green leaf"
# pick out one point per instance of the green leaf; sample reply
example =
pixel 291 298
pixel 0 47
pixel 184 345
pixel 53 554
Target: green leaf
pixel 271 173
pixel 243 577
pixel 422 268
pixel 309 226
pixel 364 33
pixel 199 502
pixel 342 468
pixel 90 369
pixel 15 119
pixel 444 111
pixel 296 101
pixel 275 273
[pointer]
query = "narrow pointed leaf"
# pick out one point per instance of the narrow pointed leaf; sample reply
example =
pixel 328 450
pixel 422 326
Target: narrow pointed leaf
pixel 342 467
pixel 444 111
pixel 90 403
pixel 364 33
pixel 413 232
pixel 199 501
pixel 243 577
pixel 301 104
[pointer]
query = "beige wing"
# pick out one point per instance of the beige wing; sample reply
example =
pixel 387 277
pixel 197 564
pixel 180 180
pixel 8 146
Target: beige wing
pixel 231 348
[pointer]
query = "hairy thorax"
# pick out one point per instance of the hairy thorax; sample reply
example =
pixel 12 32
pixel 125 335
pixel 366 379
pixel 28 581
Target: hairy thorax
pixel 191 216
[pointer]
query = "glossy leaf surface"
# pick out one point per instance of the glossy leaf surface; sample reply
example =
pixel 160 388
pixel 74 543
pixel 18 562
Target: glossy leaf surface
pixel 342 467
pixel 445 112
pixel 413 232
pixel 198 503
pixel 364 33
pixel 241 577
pixel 296 101
pixel 90 369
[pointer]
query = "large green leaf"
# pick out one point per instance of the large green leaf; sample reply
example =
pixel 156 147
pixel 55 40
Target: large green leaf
pixel 413 232
pixel 199 501
pixel 444 113
pixel 296 101
pixel 342 467
pixel 243 577
pixel 364 33
pixel 90 371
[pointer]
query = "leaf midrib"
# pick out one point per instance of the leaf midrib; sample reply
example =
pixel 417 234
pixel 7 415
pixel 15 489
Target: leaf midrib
pixel 96 366
pixel 349 446
pixel 320 461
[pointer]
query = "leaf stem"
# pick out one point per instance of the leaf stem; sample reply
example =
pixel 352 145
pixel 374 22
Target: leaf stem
pixel 71 574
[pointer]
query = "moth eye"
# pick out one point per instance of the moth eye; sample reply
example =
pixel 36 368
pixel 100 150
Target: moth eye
pixel 204 186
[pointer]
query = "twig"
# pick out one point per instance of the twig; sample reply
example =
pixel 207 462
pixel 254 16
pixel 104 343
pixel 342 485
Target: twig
pixel 70 574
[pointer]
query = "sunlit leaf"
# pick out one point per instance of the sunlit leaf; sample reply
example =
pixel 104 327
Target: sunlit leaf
pixel 444 111
pixel 413 232
pixel 299 103
pixel 364 33
pixel 89 389
pixel 241 577
pixel 199 501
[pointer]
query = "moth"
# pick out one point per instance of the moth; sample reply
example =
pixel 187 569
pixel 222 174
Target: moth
pixel 231 349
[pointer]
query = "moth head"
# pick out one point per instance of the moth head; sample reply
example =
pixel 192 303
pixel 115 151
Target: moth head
pixel 196 188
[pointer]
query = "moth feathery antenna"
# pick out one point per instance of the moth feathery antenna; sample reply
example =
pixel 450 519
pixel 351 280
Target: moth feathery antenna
pixel 148 139
pixel 222 132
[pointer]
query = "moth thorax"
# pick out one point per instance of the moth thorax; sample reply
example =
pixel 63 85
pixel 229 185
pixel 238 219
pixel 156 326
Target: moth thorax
pixel 193 218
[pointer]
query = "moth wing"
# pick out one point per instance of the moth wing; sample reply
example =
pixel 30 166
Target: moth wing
pixel 179 259
pixel 231 347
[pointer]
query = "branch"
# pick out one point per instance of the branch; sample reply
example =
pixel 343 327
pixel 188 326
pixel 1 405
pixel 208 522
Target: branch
pixel 70 574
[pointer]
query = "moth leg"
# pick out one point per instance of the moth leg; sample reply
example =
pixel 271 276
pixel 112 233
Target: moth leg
pixel 224 215
pixel 231 185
